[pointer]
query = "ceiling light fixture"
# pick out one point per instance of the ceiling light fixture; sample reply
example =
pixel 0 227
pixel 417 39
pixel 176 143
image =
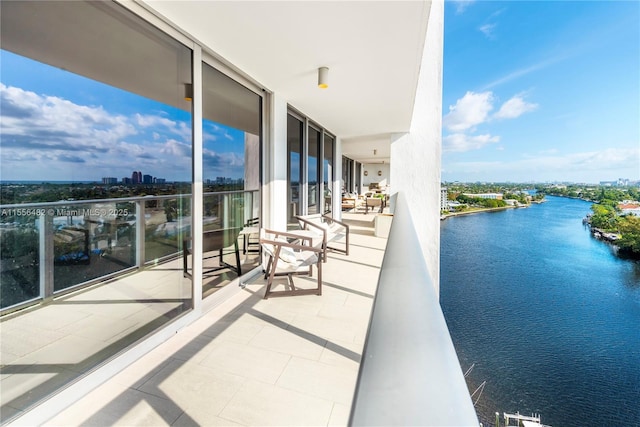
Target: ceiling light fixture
pixel 323 77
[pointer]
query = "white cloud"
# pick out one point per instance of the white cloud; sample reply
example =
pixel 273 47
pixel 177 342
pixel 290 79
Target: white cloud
pixel 462 5
pixel 590 166
pixel 460 142
pixel 514 107
pixel 44 136
pixel 37 121
pixel 176 149
pixel 155 121
pixel 470 110
pixel 487 30
pixel 149 120
pixel 474 109
pixel 524 71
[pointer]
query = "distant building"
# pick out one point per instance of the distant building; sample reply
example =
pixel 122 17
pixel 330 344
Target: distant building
pixel 136 177
pixel 629 208
pixel 496 196
pixel 159 181
pixel 444 195
pixel 147 179
pixel 621 182
pixel 110 180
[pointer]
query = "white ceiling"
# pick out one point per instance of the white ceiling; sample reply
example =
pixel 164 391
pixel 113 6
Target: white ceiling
pixel 373 50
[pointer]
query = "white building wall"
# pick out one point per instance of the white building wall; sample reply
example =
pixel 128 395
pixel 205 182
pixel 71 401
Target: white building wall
pixel 415 156
pixel 372 170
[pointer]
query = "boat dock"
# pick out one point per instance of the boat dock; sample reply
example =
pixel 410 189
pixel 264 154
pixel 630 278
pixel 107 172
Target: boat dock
pixel 527 421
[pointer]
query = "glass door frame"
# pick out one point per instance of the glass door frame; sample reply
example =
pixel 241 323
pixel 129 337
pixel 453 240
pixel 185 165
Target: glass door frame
pixel 304 165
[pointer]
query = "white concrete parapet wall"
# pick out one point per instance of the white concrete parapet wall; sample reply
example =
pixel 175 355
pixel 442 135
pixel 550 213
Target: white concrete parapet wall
pixel 415 156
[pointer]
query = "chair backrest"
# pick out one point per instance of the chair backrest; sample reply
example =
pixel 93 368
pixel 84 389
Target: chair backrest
pixel 214 240
pixel 374 201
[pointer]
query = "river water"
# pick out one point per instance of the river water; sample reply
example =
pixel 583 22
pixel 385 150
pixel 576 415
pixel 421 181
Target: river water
pixel 549 315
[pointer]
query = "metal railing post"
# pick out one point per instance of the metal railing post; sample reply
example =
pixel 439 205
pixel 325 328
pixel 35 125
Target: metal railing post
pixel 140 233
pixel 45 254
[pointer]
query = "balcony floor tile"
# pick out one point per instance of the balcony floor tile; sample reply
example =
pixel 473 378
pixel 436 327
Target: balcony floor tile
pixel 287 361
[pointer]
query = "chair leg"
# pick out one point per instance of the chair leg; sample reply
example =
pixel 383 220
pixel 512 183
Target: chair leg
pixel 235 244
pixel 266 272
pixel 319 278
pixel 185 264
pixel 271 276
pixel 293 287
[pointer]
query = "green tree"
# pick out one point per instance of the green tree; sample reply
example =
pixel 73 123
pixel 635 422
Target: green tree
pixel 603 217
pixel 629 227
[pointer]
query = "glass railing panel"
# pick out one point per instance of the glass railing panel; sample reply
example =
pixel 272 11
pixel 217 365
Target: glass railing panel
pixel 92 240
pixel 19 256
pixel 167 224
pixel 231 220
pixel 228 209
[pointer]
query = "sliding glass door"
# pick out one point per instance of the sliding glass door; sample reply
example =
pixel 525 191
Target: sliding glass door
pixel 313 181
pixel 295 138
pixel 327 173
pixel 310 152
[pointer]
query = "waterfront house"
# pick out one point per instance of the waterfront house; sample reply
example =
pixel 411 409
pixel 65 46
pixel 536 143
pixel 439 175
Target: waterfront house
pixel 314 94
pixel 629 208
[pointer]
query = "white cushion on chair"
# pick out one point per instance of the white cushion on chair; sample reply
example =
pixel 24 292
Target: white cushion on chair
pixel 288 255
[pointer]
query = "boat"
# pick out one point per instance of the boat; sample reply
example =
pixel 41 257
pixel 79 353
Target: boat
pixel 532 420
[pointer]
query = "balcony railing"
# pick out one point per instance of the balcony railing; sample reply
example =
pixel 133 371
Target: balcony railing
pixel 409 372
pixel 52 248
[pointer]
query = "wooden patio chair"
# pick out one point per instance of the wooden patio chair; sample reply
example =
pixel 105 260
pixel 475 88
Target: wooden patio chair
pixel 290 254
pixel 373 202
pixel 325 230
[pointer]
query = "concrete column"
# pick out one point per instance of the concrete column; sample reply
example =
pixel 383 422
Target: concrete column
pixel 415 156
pixel 275 184
pixel 336 189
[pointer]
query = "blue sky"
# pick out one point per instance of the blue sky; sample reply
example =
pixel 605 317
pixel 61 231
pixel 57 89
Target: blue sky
pixel 541 91
pixel 532 91
pixel 59 126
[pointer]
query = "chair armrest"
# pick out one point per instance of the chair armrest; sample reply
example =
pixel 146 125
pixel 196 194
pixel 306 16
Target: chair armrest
pixel 333 220
pixel 282 243
pixel 308 223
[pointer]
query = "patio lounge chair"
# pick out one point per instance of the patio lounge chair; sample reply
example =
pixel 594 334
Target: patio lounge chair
pixel 373 202
pixel 290 254
pixel 324 229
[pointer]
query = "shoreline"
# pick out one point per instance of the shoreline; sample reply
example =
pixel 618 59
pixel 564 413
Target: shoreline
pixel 481 210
